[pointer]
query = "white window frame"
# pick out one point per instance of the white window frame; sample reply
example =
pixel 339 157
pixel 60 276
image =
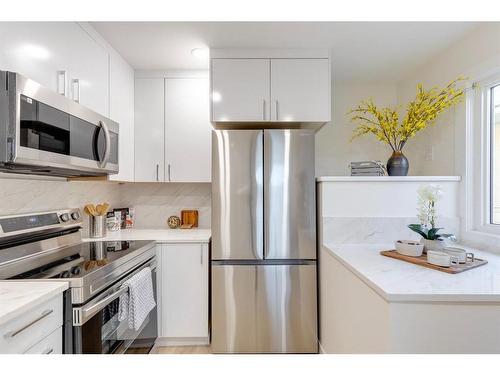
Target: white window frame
pixel 478 162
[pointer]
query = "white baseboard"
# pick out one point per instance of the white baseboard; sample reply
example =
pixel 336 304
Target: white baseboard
pixel 182 341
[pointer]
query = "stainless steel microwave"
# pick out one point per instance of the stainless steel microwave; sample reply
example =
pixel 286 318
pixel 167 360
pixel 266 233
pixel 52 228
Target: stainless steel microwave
pixel 44 133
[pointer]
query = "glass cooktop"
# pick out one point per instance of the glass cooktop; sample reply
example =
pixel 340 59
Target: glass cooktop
pixel 87 258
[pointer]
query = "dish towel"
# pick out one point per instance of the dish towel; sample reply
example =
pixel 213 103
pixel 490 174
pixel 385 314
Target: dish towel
pixel 139 301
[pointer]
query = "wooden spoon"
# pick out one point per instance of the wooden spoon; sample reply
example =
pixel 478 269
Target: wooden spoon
pixel 104 208
pixel 90 210
pixel 98 209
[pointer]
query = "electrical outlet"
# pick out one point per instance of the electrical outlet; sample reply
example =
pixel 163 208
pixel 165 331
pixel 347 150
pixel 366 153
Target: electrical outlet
pixel 429 153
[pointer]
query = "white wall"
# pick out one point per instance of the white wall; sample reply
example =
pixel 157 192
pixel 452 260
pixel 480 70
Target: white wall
pixel 434 151
pixel 334 150
pixel 473 56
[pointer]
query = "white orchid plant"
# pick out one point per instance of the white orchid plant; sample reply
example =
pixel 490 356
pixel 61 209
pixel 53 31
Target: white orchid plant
pixel 428 196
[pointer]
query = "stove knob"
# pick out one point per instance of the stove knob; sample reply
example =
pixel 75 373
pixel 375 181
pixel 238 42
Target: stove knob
pixel 64 217
pixel 75 215
pixel 65 275
pixel 76 270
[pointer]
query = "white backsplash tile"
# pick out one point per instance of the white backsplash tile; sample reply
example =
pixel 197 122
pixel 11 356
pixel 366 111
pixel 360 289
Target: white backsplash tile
pixel 153 202
pixel 24 196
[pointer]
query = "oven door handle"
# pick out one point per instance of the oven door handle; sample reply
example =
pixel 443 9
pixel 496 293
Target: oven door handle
pixel 82 314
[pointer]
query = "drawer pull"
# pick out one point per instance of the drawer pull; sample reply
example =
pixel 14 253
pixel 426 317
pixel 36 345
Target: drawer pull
pixel 44 314
pixel 48 351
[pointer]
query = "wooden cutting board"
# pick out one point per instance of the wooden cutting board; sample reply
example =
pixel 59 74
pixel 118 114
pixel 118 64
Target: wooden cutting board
pixel 422 261
pixel 189 218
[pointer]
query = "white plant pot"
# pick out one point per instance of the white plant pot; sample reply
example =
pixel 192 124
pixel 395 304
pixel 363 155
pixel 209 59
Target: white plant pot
pixel 435 245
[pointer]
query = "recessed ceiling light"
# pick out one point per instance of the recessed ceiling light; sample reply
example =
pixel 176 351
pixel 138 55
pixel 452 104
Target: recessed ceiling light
pixel 200 53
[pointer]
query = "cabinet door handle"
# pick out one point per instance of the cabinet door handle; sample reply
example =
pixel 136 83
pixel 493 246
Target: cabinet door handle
pixel 277 111
pixel 48 351
pixel 76 90
pixel 264 109
pixel 43 315
pixel 157 172
pixel 168 168
pixel 201 256
pixel 61 82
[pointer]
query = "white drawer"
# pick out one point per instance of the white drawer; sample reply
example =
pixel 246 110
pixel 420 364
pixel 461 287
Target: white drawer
pixel 21 333
pixel 52 344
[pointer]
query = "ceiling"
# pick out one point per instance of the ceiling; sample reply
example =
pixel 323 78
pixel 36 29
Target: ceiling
pixel 361 51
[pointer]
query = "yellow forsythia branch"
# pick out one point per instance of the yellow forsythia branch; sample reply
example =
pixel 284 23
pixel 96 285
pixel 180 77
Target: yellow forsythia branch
pixel 385 125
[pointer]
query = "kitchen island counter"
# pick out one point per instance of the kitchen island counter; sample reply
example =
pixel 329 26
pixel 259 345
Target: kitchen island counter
pixel 396 280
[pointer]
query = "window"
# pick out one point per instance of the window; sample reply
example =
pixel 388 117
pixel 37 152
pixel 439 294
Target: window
pixel 494 119
pixel 482 167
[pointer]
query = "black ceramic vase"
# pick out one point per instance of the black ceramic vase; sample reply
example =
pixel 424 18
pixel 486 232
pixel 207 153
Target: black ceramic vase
pixel 397 165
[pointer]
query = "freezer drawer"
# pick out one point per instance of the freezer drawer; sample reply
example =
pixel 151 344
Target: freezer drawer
pixel 289 194
pixel 237 194
pixel 264 308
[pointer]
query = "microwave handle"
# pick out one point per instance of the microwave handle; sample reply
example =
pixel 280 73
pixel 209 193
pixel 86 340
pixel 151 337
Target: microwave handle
pixel 107 150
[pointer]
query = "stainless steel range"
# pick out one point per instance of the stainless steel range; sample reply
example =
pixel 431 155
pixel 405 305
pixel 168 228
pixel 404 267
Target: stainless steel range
pixel 48 247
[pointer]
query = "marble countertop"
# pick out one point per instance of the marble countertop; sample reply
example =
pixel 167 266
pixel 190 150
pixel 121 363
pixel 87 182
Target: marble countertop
pixel 18 297
pixel 398 281
pixel 160 235
pixel 386 178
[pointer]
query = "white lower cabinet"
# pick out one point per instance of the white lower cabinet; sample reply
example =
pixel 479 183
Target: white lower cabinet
pixel 37 331
pixel 183 293
pixel 52 344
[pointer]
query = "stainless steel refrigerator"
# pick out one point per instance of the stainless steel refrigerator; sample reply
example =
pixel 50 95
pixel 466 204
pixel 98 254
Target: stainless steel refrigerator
pixel 264 285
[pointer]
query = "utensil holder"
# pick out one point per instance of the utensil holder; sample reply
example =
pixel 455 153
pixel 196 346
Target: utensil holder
pixel 97 226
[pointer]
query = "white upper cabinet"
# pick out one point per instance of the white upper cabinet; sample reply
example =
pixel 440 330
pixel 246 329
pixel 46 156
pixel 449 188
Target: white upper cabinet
pixel 300 90
pixel 187 130
pixel 121 110
pixel 270 86
pixel 88 64
pixel 149 130
pixel 38 50
pixel 240 90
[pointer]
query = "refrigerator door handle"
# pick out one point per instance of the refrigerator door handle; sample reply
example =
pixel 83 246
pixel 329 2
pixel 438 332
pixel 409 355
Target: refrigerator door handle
pixel 257 197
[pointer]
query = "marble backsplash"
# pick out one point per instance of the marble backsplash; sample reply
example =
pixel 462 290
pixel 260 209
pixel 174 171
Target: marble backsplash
pixel 153 202
pixel 24 196
pixel 345 230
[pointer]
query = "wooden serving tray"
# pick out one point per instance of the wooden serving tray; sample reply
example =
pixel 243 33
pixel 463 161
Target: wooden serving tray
pixel 422 261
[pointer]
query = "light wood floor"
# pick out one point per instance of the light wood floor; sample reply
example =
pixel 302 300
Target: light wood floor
pixel 205 349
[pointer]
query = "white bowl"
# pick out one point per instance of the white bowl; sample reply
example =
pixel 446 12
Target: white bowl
pixel 409 247
pixel 440 258
pixel 462 255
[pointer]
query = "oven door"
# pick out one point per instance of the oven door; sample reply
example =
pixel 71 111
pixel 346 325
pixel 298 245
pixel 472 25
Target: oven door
pixel 97 330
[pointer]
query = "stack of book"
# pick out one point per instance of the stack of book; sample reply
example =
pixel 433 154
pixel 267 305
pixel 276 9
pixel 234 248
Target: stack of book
pixel 368 168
